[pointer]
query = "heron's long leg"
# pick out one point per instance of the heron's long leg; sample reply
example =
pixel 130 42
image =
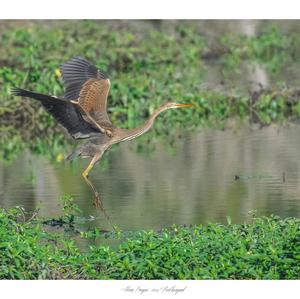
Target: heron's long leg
pixel 98 203
pixel 97 199
pixel 92 163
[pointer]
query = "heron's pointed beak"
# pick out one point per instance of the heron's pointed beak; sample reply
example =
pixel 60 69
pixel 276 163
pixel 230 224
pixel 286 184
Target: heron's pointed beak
pixel 184 105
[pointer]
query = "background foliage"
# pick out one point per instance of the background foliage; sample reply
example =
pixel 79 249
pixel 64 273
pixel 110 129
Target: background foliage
pixel 147 67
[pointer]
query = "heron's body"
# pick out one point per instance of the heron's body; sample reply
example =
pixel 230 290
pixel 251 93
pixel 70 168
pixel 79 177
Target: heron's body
pixel 83 110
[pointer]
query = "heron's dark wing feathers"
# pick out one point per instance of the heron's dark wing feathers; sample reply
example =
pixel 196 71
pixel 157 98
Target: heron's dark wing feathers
pixel 75 73
pixel 87 85
pixel 64 112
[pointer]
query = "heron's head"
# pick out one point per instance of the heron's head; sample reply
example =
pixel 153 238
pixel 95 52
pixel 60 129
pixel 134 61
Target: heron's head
pixel 173 105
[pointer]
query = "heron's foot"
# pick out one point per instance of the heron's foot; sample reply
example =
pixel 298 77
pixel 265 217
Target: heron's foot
pixel 97 201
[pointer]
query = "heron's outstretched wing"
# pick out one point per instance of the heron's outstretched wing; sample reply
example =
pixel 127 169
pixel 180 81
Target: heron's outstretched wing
pixel 89 87
pixel 64 112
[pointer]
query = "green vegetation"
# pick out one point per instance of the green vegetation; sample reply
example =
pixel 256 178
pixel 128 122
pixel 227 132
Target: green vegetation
pixel 271 48
pixel 266 248
pixel 146 67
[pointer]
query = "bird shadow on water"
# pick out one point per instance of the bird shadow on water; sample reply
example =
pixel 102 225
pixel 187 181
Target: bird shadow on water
pixel 98 203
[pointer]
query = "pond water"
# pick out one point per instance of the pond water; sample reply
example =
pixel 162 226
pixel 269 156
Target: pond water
pixel 209 174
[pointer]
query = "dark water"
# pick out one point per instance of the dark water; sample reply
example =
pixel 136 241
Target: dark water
pixel 194 183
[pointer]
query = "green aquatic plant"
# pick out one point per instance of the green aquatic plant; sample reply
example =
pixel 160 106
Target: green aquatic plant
pixel 266 248
pixel 69 208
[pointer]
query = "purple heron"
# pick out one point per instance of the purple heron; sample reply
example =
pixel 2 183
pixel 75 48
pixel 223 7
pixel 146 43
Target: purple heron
pixel 83 110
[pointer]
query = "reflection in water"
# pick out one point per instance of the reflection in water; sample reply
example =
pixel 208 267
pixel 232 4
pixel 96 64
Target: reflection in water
pixel 191 185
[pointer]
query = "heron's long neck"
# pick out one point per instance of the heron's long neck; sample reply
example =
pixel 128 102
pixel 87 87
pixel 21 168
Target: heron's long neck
pixel 133 133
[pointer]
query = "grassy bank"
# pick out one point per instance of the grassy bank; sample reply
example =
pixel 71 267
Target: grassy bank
pixel 267 248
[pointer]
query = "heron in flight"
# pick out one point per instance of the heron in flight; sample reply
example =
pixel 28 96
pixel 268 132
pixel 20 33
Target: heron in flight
pixel 83 110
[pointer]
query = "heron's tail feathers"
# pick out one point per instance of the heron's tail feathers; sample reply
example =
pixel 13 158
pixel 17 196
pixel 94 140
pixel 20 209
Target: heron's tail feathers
pixel 20 92
pixel 34 95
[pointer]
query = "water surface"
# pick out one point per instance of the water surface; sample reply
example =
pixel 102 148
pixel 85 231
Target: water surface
pixel 207 176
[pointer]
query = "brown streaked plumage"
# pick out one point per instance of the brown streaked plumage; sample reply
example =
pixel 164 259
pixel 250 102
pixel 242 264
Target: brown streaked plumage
pixel 83 110
pixel 88 88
